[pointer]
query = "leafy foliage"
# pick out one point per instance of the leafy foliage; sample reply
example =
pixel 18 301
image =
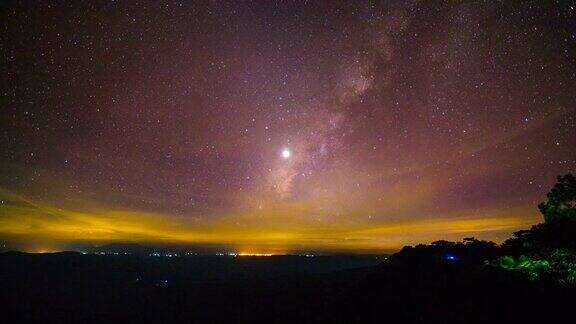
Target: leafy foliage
pixel 564 265
pixel 544 238
pixel 531 267
pixel 559 266
pixel 561 203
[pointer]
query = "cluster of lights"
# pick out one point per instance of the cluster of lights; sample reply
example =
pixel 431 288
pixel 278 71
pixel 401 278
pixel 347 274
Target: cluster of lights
pixel 255 254
pixel 172 255
pixel 233 254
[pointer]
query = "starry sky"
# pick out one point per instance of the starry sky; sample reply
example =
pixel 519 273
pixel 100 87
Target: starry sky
pixel 262 126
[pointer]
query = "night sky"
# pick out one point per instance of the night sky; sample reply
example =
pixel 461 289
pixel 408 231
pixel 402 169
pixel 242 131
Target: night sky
pixel 281 127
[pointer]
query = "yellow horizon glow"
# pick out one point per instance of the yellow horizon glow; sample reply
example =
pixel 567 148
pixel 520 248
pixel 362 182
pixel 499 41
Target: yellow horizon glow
pixel 268 232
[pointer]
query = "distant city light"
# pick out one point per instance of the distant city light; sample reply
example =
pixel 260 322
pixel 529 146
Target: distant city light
pixel 255 254
pixel 451 257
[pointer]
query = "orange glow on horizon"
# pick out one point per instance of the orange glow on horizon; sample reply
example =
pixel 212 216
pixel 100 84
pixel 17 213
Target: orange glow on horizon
pixel 257 254
pixel 268 232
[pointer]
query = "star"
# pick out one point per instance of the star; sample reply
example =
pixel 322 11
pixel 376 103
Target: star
pixel 286 154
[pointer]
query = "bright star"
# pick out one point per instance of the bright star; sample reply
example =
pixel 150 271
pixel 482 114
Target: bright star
pixel 286 153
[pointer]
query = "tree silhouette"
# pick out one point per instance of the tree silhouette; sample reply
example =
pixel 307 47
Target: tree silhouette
pixel 561 203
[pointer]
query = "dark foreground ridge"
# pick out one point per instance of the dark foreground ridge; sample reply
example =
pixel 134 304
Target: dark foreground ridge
pixel 531 278
pixel 75 287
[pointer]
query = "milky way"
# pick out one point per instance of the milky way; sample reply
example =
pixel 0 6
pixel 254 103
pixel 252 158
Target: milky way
pixel 291 126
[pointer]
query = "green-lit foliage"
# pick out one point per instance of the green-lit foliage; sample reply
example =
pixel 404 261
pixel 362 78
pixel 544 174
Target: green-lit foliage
pixel 564 266
pixel 548 249
pixel 559 265
pixel 532 267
